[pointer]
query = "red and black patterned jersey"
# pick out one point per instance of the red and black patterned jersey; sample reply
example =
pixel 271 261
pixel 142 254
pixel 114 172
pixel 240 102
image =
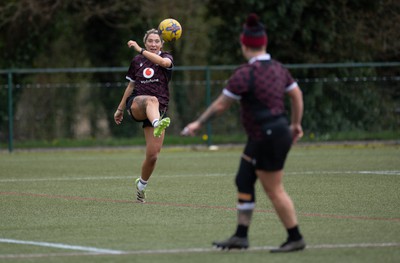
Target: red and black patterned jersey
pixel 265 80
pixel 151 79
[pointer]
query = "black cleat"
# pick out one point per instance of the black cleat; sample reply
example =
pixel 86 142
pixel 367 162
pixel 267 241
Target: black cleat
pixel 233 242
pixel 290 246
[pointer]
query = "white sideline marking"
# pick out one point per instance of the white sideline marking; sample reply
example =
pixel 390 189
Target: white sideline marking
pixel 169 251
pixel 362 245
pixel 59 245
pixel 13 180
pixel 393 172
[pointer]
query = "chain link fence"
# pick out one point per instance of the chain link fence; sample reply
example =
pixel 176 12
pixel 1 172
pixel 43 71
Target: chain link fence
pixel 79 103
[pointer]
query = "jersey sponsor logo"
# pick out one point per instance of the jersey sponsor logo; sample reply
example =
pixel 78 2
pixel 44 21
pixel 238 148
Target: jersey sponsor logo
pixel 148 73
pixel 149 81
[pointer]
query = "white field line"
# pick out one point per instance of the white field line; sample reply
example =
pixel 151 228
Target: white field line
pixel 392 172
pixel 61 246
pixel 14 180
pixel 90 251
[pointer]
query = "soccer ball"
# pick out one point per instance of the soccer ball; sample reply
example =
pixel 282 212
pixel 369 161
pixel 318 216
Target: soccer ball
pixel 170 30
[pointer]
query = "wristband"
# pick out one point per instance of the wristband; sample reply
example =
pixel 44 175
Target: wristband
pixel 141 51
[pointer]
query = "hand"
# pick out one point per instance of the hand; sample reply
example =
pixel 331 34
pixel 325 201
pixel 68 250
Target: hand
pixel 191 128
pixel 297 132
pixel 118 116
pixel 133 44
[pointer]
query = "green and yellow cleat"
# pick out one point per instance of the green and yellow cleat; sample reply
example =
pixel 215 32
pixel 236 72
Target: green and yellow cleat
pixel 140 195
pixel 162 125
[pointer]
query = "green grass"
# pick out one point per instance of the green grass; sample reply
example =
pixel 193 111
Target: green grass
pixel 343 195
pixel 173 140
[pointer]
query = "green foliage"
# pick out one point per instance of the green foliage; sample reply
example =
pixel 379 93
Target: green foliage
pixel 309 31
pixel 54 34
pixel 302 31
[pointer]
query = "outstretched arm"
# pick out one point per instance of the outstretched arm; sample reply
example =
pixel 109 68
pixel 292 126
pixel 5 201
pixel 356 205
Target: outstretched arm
pixel 220 105
pixel 119 113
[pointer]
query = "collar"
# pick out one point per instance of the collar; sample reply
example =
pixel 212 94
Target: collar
pixel 265 56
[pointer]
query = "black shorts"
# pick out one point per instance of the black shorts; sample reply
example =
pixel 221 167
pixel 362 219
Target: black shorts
pixel 269 153
pixel 146 122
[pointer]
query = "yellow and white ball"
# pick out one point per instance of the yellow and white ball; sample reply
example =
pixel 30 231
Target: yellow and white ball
pixel 170 29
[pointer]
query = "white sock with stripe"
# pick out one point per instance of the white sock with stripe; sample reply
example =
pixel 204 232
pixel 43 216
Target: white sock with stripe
pixel 142 184
pixel 155 123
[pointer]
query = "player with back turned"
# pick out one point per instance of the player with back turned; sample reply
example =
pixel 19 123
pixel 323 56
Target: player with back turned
pixel 260 86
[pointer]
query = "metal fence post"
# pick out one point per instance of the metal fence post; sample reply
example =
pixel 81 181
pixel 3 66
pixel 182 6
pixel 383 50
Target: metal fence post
pixel 208 102
pixel 10 112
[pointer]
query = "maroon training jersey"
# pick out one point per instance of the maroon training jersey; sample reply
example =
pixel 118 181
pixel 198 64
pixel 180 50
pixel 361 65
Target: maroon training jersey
pixel 270 85
pixel 151 79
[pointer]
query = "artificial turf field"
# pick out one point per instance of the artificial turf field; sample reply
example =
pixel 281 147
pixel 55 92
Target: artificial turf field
pixel 78 206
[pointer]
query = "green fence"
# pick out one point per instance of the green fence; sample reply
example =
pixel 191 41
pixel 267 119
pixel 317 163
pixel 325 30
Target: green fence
pixel 76 103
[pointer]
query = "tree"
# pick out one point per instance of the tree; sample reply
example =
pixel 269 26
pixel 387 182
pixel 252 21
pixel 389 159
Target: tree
pixel 312 31
pixel 90 33
pixel 80 33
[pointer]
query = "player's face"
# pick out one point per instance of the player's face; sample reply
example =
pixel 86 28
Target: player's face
pixel 153 43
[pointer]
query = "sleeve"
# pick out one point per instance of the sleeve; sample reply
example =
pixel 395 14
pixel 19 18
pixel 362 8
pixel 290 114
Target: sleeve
pixel 167 55
pixel 237 83
pixel 130 75
pixel 290 82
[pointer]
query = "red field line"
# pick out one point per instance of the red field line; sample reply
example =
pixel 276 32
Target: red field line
pixel 107 200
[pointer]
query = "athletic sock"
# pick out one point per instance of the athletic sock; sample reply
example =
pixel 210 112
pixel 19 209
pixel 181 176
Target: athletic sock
pixel 142 184
pixel 241 231
pixel 155 123
pixel 294 234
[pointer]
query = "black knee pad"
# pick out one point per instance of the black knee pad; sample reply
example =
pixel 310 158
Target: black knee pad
pixel 245 181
